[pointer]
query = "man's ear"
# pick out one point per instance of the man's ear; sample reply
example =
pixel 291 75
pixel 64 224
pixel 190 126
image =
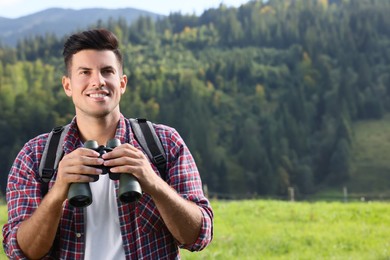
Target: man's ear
pixel 123 83
pixel 67 86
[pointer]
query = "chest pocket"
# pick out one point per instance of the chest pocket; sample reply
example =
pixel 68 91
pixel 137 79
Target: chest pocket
pixel 148 216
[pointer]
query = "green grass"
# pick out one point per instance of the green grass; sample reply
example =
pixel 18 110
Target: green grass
pixel 262 229
pixel 3 219
pixel 298 230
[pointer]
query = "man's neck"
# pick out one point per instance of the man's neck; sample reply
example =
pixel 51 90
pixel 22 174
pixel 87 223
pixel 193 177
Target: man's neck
pixel 98 129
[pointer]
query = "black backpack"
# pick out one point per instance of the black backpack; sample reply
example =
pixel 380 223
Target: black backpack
pixel 144 133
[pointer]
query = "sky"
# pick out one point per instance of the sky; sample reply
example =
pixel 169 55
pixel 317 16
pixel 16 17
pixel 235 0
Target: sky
pixel 18 8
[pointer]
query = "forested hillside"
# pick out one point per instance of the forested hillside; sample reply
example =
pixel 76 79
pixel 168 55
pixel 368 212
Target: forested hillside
pixel 264 95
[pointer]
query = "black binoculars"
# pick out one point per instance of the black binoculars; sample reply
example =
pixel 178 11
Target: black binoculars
pixel 79 194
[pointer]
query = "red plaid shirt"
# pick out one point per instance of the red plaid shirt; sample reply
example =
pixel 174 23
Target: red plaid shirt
pixel 144 233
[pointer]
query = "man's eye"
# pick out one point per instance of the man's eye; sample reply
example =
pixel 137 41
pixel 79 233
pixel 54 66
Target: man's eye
pixel 108 71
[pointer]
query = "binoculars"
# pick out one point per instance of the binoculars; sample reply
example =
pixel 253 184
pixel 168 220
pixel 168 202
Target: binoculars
pixel 79 194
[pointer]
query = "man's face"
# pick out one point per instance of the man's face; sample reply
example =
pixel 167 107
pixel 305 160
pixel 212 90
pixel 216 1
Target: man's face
pixel 95 83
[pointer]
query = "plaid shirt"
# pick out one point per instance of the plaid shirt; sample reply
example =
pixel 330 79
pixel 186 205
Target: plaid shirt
pixel 144 233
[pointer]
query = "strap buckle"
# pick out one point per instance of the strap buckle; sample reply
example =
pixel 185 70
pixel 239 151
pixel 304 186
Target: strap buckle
pixel 57 129
pixel 159 159
pixel 47 173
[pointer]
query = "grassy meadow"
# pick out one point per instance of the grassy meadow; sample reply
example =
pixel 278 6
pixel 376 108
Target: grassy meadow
pixel 268 229
pixel 299 230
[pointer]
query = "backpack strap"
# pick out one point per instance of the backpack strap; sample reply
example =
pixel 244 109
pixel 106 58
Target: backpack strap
pixel 52 154
pixel 150 142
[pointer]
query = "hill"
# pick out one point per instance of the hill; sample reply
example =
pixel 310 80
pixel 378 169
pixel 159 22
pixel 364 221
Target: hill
pixel 370 157
pixel 370 164
pixel 61 21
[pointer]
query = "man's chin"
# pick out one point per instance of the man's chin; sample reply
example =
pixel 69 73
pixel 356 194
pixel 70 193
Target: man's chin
pixel 96 114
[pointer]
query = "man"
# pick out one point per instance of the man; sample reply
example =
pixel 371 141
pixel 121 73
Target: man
pixel 172 213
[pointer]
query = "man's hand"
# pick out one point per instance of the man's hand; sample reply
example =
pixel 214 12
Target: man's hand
pixel 75 167
pixel 128 159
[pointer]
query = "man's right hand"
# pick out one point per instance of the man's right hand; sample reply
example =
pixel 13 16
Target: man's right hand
pixel 75 167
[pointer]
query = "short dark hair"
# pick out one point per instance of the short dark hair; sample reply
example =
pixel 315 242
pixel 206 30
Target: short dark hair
pixel 97 39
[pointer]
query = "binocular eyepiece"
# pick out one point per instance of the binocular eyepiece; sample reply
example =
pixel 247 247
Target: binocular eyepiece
pixel 79 194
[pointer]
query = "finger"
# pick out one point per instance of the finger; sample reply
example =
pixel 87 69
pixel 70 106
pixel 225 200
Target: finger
pixel 125 169
pixel 80 170
pixel 83 156
pixel 71 178
pixel 77 173
pixel 83 152
pixel 126 157
pixel 121 151
pixel 81 161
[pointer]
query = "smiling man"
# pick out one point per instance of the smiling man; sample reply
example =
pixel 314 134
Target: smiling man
pixel 172 213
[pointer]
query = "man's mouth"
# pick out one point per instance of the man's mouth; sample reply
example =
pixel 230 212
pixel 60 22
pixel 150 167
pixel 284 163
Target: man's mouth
pixel 97 95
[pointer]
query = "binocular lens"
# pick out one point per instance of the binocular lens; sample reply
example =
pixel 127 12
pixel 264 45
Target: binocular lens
pixel 129 188
pixel 79 195
pixel 80 201
pixel 130 196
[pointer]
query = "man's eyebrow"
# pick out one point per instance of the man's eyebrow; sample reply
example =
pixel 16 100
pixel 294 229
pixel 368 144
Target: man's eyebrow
pixel 108 68
pixel 83 68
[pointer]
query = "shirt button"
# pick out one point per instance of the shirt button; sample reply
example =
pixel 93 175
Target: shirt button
pixel 78 235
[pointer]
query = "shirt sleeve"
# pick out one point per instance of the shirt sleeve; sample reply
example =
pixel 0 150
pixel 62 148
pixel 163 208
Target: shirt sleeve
pixel 23 197
pixel 184 177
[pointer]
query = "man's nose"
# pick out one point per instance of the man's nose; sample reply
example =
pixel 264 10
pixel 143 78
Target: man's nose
pixel 98 80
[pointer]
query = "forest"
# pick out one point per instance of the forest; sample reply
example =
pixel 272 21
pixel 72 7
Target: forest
pixel 265 95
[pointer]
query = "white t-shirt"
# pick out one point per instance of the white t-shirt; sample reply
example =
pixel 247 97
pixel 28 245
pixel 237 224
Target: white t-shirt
pixel 103 235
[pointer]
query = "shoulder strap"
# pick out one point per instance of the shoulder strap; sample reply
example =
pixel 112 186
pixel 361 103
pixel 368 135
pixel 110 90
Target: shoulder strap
pixel 51 156
pixel 150 142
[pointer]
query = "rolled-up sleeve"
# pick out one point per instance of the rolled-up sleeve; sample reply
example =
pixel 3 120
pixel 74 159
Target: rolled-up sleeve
pixel 184 177
pixel 23 197
pixel 206 231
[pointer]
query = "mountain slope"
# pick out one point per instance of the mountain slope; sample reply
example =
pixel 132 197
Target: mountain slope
pixel 62 21
pixel 371 154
